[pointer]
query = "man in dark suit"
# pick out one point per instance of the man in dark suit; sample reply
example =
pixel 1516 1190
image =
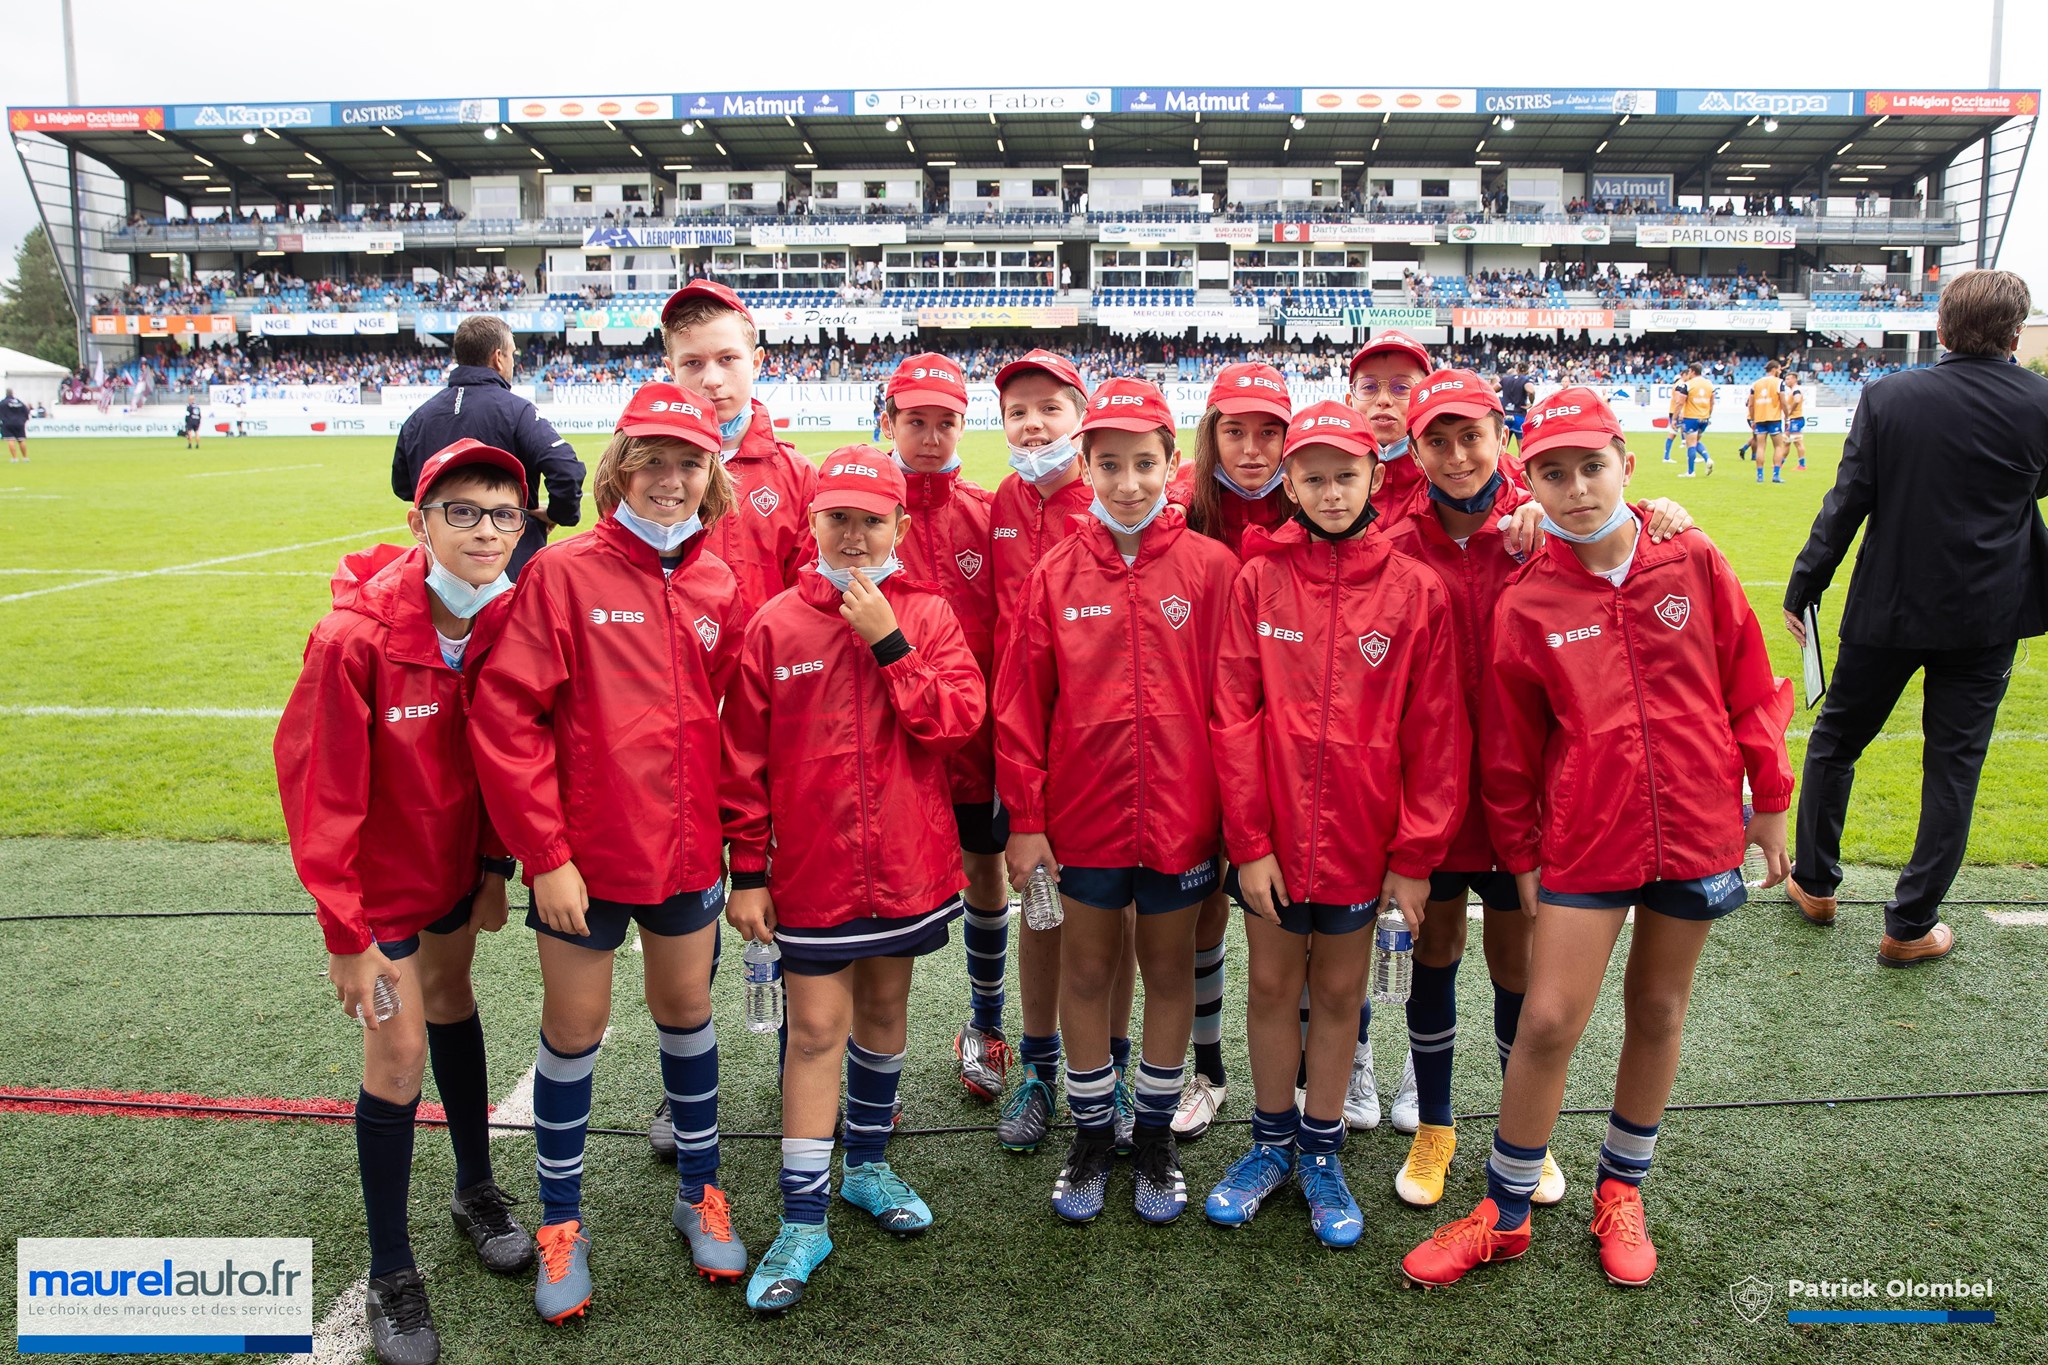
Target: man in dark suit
pixel 1946 465
pixel 479 403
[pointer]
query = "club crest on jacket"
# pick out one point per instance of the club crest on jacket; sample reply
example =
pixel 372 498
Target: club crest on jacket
pixel 1674 610
pixel 1374 647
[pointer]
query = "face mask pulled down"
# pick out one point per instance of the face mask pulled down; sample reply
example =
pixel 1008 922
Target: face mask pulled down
pixel 666 540
pixel 1043 464
pixel 463 600
pixel 842 579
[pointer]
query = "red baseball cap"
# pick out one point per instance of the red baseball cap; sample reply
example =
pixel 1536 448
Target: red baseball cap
pixel 1450 393
pixel 1575 418
pixel 704 289
pixel 664 409
pixel 1127 405
pixel 1393 342
pixel 928 381
pixel 467 452
pixel 861 477
pixel 1251 388
pixel 1046 362
pixel 1331 424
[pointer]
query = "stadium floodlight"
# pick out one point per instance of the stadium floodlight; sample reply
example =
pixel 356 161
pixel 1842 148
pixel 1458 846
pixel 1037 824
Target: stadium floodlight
pixel 1198 144
pixel 1752 120
pixel 636 151
pixel 217 189
pixel 298 175
pixel 721 148
pixel 1215 161
pixel 249 138
pixel 491 133
pixel 386 131
pixel 1738 178
pixel 809 150
pixel 421 155
pixel 999 145
pixel 1624 121
pixel 538 155
pixel 270 132
pixel 1375 144
pixel 675 165
pixel 911 145
pixel 1770 125
pixel 1853 179
pixel 403 173
pixel 1487 161
pixel 1882 122
pixel 1843 150
pixel 1087 123
pixel 894 125
pixel 1507 123
pixel 1756 165
pixel 687 128
pixel 610 125
pixel 799 166
pixel 941 163
pixel 155 134
pixel 1285 143
pixel 1601 148
pixel 790 121
pixel 1872 166
pixel 1724 146
pixel 1297 123
pixel 201 176
pixel 306 154
pixel 1342 162
pixel 1075 166
pixel 1480 148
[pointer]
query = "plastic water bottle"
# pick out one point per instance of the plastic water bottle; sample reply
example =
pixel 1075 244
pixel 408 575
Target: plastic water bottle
pixel 763 972
pixel 383 999
pixel 1042 908
pixel 1756 869
pixel 1393 958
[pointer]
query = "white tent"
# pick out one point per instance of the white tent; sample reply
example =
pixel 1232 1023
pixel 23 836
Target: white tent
pixel 33 381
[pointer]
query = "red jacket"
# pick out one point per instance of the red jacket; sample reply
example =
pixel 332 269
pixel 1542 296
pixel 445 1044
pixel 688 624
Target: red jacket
pixel 767 538
pixel 1473 578
pixel 1022 527
pixel 1621 720
pixel 948 545
pixel 835 766
pixel 1396 498
pixel 1338 744
pixel 1238 514
pixel 1101 740
pixel 595 723
pixel 373 766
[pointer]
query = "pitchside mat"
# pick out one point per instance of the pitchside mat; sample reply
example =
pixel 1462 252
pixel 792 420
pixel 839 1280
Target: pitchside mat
pixel 178 1068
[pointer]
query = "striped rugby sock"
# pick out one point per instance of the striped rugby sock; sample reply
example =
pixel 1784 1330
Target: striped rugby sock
pixel 1432 1034
pixel 1511 1176
pixel 871 1079
pixel 1626 1154
pixel 1208 1031
pixel 1091 1098
pixel 806 1179
pixel 987 936
pixel 561 1119
pixel 689 1076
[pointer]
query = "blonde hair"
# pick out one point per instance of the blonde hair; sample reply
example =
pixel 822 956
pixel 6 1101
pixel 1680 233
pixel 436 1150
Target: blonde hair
pixel 628 455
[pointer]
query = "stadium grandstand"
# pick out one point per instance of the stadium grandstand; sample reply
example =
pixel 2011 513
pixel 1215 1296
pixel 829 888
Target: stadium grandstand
pixel 1595 234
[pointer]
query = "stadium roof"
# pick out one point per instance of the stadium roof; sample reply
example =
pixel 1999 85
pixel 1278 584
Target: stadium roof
pixel 1756 141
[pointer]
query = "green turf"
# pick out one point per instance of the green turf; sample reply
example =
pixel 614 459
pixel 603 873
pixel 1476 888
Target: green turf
pixel 228 635
pixel 1928 1189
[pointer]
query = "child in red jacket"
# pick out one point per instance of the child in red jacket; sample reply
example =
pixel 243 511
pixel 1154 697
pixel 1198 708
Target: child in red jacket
pixel 1342 760
pixel 596 727
pixel 388 834
pixel 1102 758
pixel 854 687
pixel 924 412
pixel 1629 694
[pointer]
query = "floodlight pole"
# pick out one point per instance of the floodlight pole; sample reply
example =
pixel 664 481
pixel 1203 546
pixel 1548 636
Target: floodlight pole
pixel 1997 37
pixel 78 311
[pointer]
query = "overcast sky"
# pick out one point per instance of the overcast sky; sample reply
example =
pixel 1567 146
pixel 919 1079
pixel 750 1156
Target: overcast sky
pixel 149 52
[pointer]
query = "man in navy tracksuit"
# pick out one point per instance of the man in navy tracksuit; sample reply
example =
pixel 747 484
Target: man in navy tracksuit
pixel 479 403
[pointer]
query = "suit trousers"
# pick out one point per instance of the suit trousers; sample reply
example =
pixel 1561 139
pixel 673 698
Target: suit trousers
pixel 1963 688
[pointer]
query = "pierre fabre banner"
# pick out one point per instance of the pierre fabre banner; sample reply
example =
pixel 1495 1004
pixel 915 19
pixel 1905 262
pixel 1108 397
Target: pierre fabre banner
pixel 168 1295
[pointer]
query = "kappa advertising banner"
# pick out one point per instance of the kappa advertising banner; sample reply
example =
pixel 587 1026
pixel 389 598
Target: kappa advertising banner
pixel 1655 188
pixel 622 236
pixel 1530 234
pixel 1751 236
pixel 322 324
pixel 766 104
pixel 294 396
pixel 163 325
pixel 1952 103
pixel 373 243
pixel 588 108
pixel 1707 320
pixel 1159 99
pixel 1211 321
pixel 859 324
pixel 1147 234
pixel 417 113
pixel 829 234
pixel 1388 99
pixel 1524 319
pixel 518 319
pixel 1871 320
pixel 959 319
pixel 1605 102
pixel 200 117
pixel 130 119
pixel 175 1295
pixel 889 103
pixel 1423 234
pixel 1771 103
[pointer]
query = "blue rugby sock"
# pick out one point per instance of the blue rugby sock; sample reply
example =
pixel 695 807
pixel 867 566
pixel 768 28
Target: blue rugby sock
pixel 1626 1154
pixel 384 1159
pixel 1091 1099
pixel 1208 1030
pixel 689 1076
pixel 806 1179
pixel 1511 1176
pixel 871 1079
pixel 1507 1020
pixel 457 1053
pixel 1432 1034
pixel 987 936
pixel 561 1120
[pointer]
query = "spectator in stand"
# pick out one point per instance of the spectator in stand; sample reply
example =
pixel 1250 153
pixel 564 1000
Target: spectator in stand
pixel 479 404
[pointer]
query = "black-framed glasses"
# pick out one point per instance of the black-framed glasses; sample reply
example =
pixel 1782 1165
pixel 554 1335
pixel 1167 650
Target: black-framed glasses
pixel 465 515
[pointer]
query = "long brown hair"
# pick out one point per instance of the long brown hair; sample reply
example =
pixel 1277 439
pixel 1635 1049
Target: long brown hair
pixel 628 455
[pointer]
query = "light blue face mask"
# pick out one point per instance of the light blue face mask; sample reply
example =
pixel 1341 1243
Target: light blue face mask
pixel 1619 515
pixel 1102 515
pixel 1045 463
pixel 1255 494
pixel 842 579
pixel 666 540
pixel 728 430
pixel 908 472
pixel 1394 451
pixel 463 600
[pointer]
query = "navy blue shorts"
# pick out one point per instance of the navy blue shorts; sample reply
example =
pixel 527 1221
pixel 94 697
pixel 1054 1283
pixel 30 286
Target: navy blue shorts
pixel 1796 426
pixel 1515 422
pixel 821 952
pixel 984 826
pixel 1154 893
pixel 1496 890
pixel 681 914
pixel 452 922
pixel 1770 428
pixel 1693 426
pixel 1694 898
pixel 1311 917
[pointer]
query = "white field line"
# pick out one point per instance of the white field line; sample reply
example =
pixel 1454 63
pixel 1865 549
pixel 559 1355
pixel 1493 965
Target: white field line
pixel 1997 736
pixel 34 497
pixel 118 712
pixel 343 1336
pixel 268 469
pixel 197 564
pixel 178 573
pixel 2013 919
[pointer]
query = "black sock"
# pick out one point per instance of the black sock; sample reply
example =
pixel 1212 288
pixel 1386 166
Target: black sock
pixel 384 1155
pixel 1209 1061
pixel 457 1053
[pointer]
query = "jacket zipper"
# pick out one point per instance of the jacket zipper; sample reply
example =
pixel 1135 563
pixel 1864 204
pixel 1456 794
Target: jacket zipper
pixel 860 760
pixel 1138 705
pixel 1315 824
pixel 1643 716
pixel 675 654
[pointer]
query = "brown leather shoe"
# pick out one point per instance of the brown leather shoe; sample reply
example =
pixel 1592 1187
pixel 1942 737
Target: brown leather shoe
pixel 1817 909
pixel 1932 946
